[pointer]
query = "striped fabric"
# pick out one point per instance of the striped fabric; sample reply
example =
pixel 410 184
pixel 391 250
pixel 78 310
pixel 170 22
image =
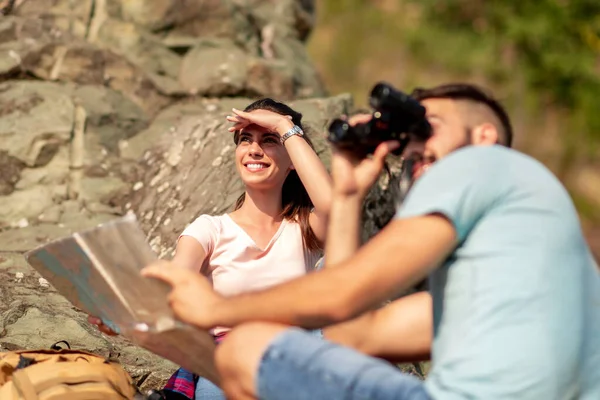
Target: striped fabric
pixel 183 381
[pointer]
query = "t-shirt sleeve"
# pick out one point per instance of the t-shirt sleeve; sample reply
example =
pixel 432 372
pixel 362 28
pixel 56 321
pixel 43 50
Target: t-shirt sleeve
pixel 204 230
pixel 462 187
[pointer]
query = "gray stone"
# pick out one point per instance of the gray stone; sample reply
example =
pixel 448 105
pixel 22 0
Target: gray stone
pixel 25 239
pixel 144 50
pixel 28 203
pixel 53 173
pixel 66 15
pixel 182 21
pixel 111 116
pixel 88 64
pixel 214 67
pixel 10 172
pixel 34 140
pixel 51 215
pixel 99 189
pixel 20 39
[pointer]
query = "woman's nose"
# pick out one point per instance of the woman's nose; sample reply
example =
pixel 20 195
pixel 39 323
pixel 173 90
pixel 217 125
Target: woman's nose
pixel 255 149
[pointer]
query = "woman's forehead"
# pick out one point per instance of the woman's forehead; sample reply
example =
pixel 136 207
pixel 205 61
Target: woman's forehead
pixel 255 130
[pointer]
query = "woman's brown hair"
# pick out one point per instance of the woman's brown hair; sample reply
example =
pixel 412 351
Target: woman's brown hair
pixel 295 202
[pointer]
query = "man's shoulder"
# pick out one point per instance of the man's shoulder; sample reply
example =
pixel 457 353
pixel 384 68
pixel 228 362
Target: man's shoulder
pixel 485 155
pixel 487 176
pixel 491 165
pixel 470 164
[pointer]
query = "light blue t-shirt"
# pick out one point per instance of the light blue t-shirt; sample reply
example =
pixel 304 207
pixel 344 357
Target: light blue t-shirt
pixel 517 305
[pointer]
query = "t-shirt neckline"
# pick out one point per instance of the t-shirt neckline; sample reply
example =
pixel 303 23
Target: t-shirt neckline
pixel 270 243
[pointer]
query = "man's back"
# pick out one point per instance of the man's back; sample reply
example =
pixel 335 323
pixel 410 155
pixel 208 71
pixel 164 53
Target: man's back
pixel 516 307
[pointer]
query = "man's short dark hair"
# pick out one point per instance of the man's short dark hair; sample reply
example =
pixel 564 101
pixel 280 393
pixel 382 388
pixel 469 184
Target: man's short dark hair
pixel 473 93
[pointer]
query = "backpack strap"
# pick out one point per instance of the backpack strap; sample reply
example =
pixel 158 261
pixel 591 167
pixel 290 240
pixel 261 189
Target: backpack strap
pixel 56 346
pixel 23 385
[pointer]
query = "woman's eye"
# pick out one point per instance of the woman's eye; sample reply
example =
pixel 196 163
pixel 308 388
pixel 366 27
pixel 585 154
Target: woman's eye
pixel 271 140
pixel 245 139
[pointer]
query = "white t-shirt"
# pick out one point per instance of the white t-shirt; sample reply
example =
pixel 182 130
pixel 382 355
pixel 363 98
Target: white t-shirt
pixel 235 264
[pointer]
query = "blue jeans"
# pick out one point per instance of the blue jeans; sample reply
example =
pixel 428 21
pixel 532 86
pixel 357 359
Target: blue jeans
pixel 297 366
pixel 206 390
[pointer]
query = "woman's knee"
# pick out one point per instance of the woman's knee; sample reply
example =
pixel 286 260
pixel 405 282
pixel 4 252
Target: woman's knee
pixel 241 351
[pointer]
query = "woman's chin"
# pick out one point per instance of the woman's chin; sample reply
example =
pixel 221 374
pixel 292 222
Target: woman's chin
pixel 257 182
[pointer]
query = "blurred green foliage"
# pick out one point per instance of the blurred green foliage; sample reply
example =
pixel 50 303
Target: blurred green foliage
pixel 553 46
pixel 555 43
pixel 541 58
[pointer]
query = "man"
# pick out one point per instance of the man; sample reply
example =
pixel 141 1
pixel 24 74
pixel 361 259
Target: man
pixel 515 290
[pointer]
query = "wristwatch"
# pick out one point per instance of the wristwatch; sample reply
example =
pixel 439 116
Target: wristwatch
pixel 296 130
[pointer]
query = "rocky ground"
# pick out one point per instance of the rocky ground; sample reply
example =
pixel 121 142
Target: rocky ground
pixel 115 105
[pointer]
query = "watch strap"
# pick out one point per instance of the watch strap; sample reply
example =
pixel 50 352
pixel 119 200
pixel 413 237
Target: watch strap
pixel 296 130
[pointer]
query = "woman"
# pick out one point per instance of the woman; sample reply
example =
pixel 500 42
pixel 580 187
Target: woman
pixel 278 227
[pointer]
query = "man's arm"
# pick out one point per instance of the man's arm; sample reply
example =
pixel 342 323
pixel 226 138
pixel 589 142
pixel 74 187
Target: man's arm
pixel 343 233
pixel 352 178
pixel 402 331
pixel 403 253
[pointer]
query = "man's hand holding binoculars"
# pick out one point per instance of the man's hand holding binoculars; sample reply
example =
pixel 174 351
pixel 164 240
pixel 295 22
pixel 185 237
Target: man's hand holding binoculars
pixel 354 175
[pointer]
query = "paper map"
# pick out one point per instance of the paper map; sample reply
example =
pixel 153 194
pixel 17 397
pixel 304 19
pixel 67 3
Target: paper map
pixel 98 271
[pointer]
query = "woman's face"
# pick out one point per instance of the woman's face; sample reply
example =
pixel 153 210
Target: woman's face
pixel 261 160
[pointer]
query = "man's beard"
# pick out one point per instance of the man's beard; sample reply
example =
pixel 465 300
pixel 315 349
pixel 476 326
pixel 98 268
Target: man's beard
pixel 406 178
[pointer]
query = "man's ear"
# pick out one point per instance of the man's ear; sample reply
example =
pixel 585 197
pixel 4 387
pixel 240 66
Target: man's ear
pixel 484 134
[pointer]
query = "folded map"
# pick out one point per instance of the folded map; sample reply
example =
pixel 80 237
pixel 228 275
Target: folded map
pixel 98 271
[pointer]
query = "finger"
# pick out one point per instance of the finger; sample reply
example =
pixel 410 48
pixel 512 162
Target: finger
pixel 235 118
pixel 170 273
pixel 385 148
pixel 241 113
pixel 163 271
pixel 359 119
pixel 159 273
pixel 237 127
pixel 346 155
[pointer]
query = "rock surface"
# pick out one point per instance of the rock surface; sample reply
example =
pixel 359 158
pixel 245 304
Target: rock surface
pixel 135 77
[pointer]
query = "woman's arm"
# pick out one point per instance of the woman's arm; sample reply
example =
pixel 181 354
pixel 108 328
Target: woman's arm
pixel 189 254
pixel 315 179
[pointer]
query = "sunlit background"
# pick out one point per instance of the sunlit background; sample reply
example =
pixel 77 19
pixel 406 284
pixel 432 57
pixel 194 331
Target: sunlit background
pixel 540 57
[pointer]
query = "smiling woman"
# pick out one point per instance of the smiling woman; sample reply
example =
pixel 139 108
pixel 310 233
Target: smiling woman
pixel 277 229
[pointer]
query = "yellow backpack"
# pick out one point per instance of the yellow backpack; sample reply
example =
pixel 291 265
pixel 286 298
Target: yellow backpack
pixel 62 374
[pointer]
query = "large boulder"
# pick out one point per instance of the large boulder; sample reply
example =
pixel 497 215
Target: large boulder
pixel 218 67
pixel 155 79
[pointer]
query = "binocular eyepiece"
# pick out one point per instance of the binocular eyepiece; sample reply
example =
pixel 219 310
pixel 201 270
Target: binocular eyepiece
pixel 396 116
